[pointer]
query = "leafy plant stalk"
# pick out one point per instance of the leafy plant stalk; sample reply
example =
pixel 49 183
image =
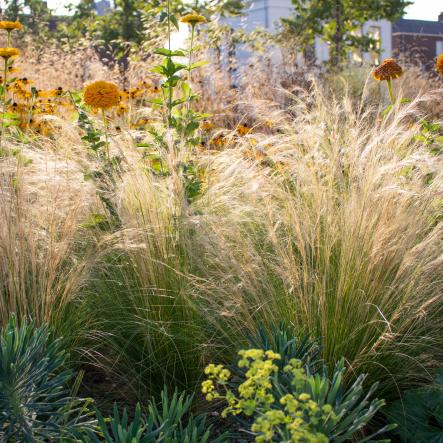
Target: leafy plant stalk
pixel 5 73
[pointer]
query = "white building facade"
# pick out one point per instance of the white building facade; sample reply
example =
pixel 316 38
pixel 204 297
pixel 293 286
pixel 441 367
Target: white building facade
pixel 267 13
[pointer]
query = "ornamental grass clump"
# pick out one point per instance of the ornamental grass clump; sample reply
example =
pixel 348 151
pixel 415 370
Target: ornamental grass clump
pixel 338 233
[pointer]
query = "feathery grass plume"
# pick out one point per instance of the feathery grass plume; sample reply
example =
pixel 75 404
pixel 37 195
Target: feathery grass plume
pixel 150 328
pixel 44 252
pixel 345 242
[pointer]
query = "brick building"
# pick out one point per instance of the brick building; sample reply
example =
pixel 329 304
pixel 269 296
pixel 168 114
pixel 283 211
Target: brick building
pixel 419 40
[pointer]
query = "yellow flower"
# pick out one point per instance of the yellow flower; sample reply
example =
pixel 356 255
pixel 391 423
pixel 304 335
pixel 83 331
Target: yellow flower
pixel 154 90
pixel 18 108
pixel 9 52
pixel 50 93
pixel 144 85
pixel 206 126
pixel 44 94
pixel 9 26
pixel 124 94
pixel 101 94
pixel 136 92
pixel 218 141
pixel 121 109
pixel 12 70
pixel 141 122
pixel 388 70
pixel 439 64
pixel 24 81
pixel 243 129
pixel 192 19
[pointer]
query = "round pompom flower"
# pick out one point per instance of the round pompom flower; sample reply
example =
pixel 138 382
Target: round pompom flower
pixel 192 19
pixel 101 94
pixel 439 64
pixel 10 26
pixel 388 70
pixel 9 52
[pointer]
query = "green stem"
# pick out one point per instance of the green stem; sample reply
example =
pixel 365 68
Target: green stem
pixel 4 101
pixel 391 95
pixel 188 98
pixel 190 53
pixel 169 25
pixel 105 126
pixel 169 47
pixel 189 65
pixel 9 39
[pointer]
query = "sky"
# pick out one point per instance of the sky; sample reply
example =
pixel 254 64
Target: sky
pixel 421 9
pixel 425 9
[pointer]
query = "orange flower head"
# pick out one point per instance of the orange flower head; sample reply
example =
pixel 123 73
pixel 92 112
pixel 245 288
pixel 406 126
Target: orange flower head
pixel 10 26
pixel 24 82
pixel 136 92
pixel 389 69
pixel 207 126
pixel 9 52
pixel 154 90
pixel 192 19
pixel 243 129
pixel 102 95
pixel 121 109
pixel 439 64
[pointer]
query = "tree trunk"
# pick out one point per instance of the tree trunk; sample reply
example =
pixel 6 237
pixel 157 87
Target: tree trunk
pixel 338 36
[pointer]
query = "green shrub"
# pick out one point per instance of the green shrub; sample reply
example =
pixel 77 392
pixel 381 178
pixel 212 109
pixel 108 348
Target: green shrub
pixel 35 402
pixel 419 414
pixel 283 340
pixel 312 408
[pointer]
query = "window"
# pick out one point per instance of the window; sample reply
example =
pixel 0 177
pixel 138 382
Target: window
pixel 374 32
pixel 356 54
pixel 439 48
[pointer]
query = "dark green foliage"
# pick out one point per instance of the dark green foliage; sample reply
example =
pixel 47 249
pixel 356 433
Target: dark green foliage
pixel 105 175
pixel 431 136
pixel 419 414
pixel 283 340
pixel 35 401
pixel 171 415
pixel 170 422
pixel 352 405
pixel 192 181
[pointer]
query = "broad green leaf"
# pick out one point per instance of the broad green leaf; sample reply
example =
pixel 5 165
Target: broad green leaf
pixel 169 53
pixel 174 21
pixel 198 64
